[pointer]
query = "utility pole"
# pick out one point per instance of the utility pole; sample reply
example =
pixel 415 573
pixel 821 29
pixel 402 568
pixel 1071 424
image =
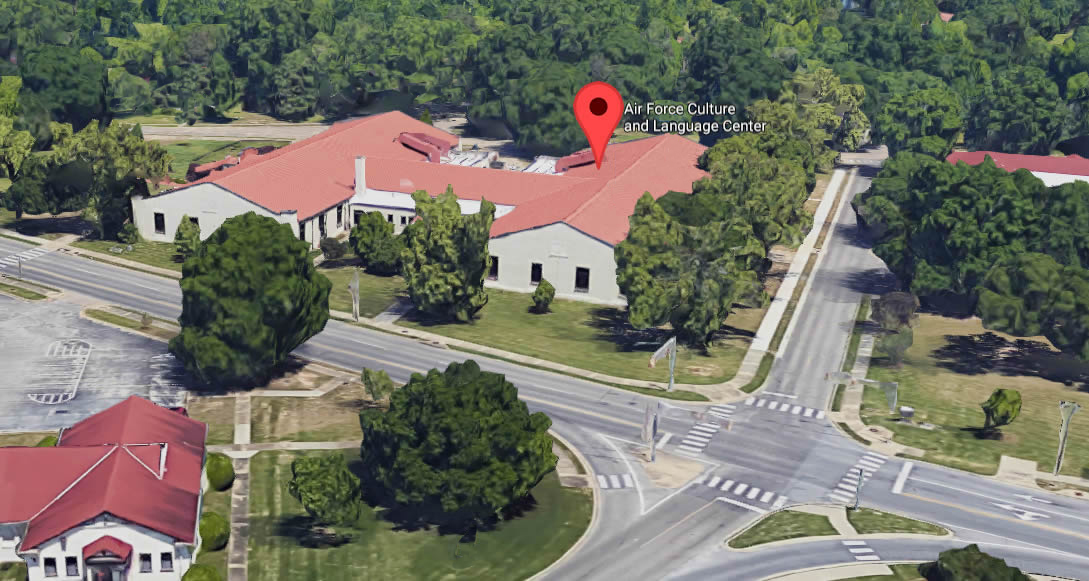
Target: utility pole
pixel 354 288
pixel 1066 411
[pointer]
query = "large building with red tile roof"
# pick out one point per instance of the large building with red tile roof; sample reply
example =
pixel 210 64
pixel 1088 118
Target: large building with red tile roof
pixel 119 493
pixel 1053 170
pixel 558 220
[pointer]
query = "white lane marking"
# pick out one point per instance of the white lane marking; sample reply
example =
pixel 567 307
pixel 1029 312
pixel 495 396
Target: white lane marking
pixel 869 464
pixel 867 558
pixel 854 543
pixel 740 488
pixel 1031 498
pixel 707 425
pixel 998 499
pixel 627 481
pixel 820 415
pixel 847 487
pixel 753 493
pixel 779 502
pixel 790 395
pixel 601 480
pixel 614 481
pixel 665 438
pixel 755 509
pixel 749 400
pixel 702 430
pixel 767 496
pixel 773 405
pixel 796 409
pixel 726 485
pixel 699 479
pixel 697 438
pixel 690 448
pixel 760 403
pixel 714 482
pixel 861 550
pixel 901 478
pixel 808 412
pixel 881 457
pixel 724 408
pixel 719 415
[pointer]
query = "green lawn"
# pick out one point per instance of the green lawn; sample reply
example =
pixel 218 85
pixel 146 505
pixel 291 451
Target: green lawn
pixel 21 292
pixel 952 368
pixel 12 571
pixel 219 502
pixel 596 338
pixel 218 413
pixel 333 417
pixel 23 439
pixel 199 151
pixel 160 254
pixel 515 550
pixel 123 321
pixel 899 573
pixel 868 521
pixel 782 525
pixel 376 293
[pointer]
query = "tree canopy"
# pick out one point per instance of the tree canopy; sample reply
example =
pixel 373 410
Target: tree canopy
pixel 456 446
pixel 970 564
pixel 326 488
pixel 248 299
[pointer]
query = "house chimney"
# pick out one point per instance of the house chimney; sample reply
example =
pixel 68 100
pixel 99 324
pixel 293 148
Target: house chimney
pixel 360 175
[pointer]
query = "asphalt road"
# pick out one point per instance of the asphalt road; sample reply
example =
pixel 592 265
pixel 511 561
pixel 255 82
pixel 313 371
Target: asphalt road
pixel 779 448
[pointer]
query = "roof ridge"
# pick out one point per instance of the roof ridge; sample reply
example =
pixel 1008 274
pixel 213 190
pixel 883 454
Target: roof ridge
pixel 157 475
pixel 75 482
pixel 589 199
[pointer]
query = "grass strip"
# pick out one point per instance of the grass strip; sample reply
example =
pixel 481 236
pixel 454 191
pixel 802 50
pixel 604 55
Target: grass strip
pixel 837 397
pixel 123 321
pixel 856 333
pixel 761 374
pixel 783 525
pixel 21 292
pixel 23 240
pixel 847 430
pixel 869 521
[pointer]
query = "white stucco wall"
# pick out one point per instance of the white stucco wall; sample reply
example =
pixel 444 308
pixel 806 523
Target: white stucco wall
pixel 1054 179
pixel 209 203
pixel 142 540
pixel 400 205
pixel 333 228
pixel 560 249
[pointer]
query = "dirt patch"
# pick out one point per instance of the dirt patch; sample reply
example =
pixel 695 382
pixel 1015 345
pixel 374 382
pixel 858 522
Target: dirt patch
pixel 333 417
pixel 304 378
pixel 218 413
pixel 669 471
pixel 704 371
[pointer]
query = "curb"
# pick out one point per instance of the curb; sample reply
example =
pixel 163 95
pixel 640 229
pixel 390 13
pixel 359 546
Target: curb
pixel 100 307
pixel 836 566
pixel 594 512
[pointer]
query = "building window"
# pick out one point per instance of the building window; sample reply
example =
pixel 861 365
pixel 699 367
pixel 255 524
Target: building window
pixel 493 267
pixel 340 216
pixel 404 220
pixel 302 231
pixel 50 565
pixel 195 221
pixel 356 216
pixel 166 561
pixel 389 217
pixel 71 567
pixel 160 223
pixel 535 273
pixel 321 226
pixel 582 280
pixel 145 562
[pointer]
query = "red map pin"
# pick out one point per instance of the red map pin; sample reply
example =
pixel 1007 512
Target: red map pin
pixel 598 109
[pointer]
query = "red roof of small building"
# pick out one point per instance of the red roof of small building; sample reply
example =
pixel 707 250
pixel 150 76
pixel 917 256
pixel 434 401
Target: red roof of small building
pixel 315 174
pixel 108 546
pixel 1011 162
pixel 211 165
pixel 136 461
pixel 946 16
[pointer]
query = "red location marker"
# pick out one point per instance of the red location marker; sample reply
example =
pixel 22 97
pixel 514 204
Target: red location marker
pixel 598 109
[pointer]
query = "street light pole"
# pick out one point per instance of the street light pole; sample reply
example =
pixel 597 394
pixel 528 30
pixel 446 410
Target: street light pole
pixel 1066 411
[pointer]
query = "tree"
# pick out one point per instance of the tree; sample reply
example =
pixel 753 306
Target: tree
pixel 542 296
pixel 1021 112
pixel 220 471
pixel 15 147
pixel 445 258
pixel 687 276
pixel 895 344
pixel 1001 408
pixel 249 298
pixel 895 310
pixel 215 531
pixel 457 446
pixel 366 235
pixel 385 256
pixel 425 116
pixel 926 121
pixel 198 572
pixel 187 238
pixel 969 564
pixel 326 488
pixel 70 82
pixel 377 383
pixel 332 248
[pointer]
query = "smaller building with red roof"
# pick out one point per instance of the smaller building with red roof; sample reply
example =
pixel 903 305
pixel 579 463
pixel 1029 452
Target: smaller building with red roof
pixel 118 497
pixel 1052 170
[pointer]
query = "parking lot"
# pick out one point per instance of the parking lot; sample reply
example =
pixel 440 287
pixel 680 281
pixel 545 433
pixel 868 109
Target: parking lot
pixel 57 368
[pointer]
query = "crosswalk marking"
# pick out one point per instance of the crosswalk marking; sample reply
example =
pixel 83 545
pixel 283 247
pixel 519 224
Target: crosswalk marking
pixel 719 415
pixel 796 409
pixel 861 550
pixel 602 481
pixel 761 403
pixel 749 400
pixel 699 479
pixel 714 482
pixel 624 480
pixel 726 485
pixel 753 493
pixel 703 439
pixel 614 481
pixel 847 487
pixel 784 407
pixel 24 256
pixel 820 414
pixel 767 496
pixel 867 558
pixel 702 430
pixel 854 543
pixel 690 448
pixel 628 481
pixel 772 405
pixel 740 488
pixel 730 486
pixel 808 412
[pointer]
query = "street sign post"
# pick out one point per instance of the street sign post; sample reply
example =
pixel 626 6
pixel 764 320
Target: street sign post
pixel 1066 411
pixel 354 288
pixel 669 348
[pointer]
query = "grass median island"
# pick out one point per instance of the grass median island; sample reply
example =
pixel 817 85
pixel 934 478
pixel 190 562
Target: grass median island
pixel 376 293
pixel 952 367
pixel 159 254
pixel 130 323
pixel 596 338
pixel 21 292
pixel 783 525
pixel 515 550
pixel 868 521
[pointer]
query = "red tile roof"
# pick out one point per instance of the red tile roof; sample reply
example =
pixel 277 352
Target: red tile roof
pixel 946 16
pixel 1069 165
pixel 318 173
pixel 211 165
pixel 108 546
pixel 136 461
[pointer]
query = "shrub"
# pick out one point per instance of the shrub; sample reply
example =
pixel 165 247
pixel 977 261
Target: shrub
pixel 215 531
pixel 333 248
pixel 47 442
pixel 202 573
pixel 426 117
pixel 220 471
pixel 186 238
pixel 385 256
pixel 368 231
pixel 129 234
pixel 542 297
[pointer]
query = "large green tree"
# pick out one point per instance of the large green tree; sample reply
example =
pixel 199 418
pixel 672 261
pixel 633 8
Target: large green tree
pixel 445 258
pixel 248 299
pixel 926 121
pixel 327 489
pixel 687 276
pixel 970 564
pixel 1021 112
pixel 457 446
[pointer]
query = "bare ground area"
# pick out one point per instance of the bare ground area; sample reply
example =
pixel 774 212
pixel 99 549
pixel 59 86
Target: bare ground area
pixel 218 413
pixel 331 417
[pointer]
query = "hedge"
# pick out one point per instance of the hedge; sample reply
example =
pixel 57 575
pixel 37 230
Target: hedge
pixel 215 531
pixel 220 471
pixel 202 573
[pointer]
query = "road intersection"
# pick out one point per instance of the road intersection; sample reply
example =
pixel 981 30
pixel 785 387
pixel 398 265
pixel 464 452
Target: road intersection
pixel 777 448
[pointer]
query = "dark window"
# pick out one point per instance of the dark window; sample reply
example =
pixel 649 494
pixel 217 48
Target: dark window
pixel 535 273
pixel 493 267
pixel 357 215
pixel 302 231
pixel 404 220
pixel 195 221
pixel 166 561
pixel 389 217
pixel 50 565
pixel 340 215
pixel 145 562
pixel 71 567
pixel 582 280
pixel 160 223
pixel 321 226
